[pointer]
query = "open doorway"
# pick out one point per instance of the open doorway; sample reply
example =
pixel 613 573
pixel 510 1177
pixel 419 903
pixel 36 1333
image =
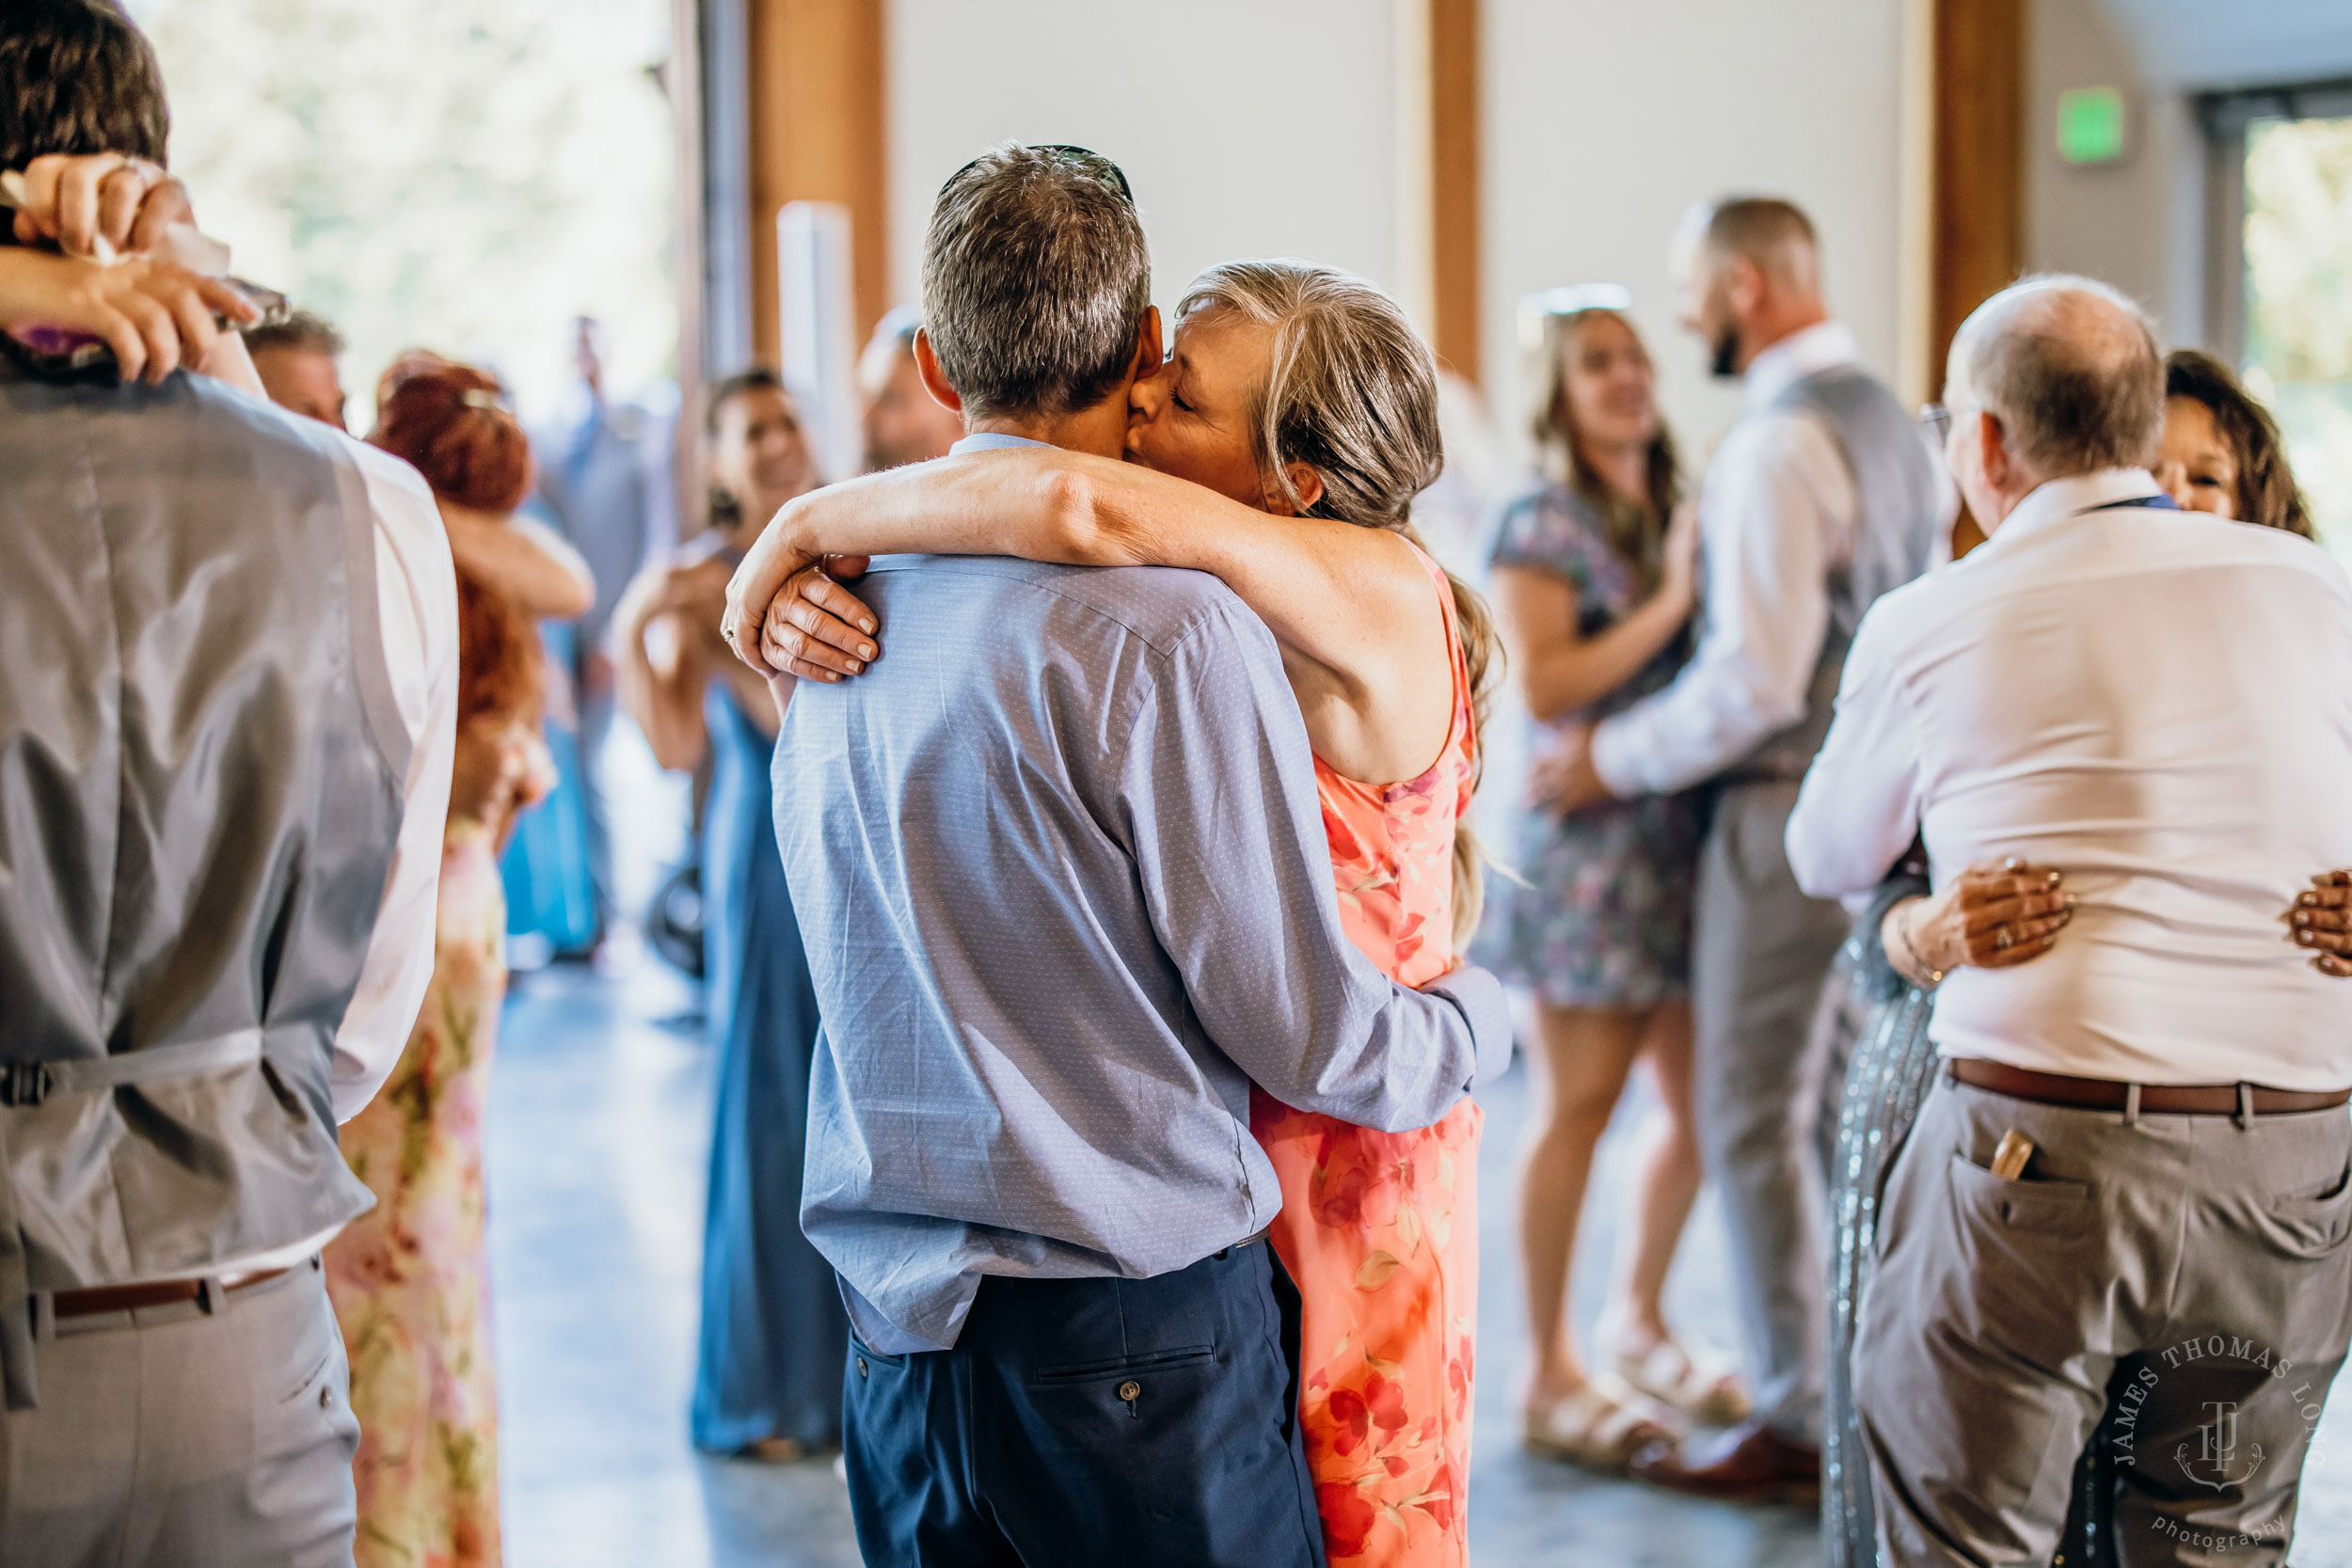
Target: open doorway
pixel 464 175
pixel 2282 190
pixel 2299 301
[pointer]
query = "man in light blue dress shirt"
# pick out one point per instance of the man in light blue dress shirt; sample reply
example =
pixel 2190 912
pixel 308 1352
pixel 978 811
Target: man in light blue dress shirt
pixel 1063 875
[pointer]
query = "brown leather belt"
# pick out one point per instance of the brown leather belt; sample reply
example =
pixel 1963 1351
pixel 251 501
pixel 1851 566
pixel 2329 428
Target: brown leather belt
pixel 129 1298
pixel 2100 1094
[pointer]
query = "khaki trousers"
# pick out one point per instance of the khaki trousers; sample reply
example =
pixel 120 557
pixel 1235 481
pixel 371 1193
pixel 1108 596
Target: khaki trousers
pixel 178 1437
pixel 2186 1277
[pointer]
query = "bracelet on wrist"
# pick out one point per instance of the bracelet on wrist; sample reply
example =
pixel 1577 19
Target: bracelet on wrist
pixel 1921 974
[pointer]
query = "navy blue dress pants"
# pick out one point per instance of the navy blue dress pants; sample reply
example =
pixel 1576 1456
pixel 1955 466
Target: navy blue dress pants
pixel 1134 1422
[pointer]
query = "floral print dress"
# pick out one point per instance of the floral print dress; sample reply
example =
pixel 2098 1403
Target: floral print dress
pixel 1380 1229
pixel 1603 919
pixel 408 1277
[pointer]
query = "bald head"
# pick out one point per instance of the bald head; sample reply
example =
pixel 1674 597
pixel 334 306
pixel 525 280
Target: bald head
pixel 2070 368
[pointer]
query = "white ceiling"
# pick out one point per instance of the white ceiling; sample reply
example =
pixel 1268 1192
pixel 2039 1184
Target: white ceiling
pixel 2218 43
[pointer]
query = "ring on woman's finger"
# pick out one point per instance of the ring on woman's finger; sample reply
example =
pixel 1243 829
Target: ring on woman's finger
pixel 2003 939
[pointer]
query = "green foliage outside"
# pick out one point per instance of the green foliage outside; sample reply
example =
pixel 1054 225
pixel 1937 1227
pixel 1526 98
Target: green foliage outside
pixel 2298 303
pixel 460 175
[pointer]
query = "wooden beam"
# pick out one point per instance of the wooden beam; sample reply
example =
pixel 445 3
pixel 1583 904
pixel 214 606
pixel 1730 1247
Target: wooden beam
pixel 1979 223
pixel 817 130
pixel 1456 212
pixel 682 81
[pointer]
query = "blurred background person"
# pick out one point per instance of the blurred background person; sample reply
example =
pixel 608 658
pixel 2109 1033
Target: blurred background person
pixel 768 1383
pixel 550 903
pixel 2222 452
pixel 545 869
pixel 604 479
pixel 497 545
pixel 1595 575
pixel 298 355
pixel 408 1278
pixel 1824 496
pixel 903 422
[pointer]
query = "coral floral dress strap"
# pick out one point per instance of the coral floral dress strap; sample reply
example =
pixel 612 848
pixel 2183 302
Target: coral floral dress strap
pixel 1379 1230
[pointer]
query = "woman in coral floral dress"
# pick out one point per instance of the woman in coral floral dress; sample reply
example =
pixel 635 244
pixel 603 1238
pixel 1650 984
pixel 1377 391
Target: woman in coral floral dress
pixel 1302 398
pixel 1380 1229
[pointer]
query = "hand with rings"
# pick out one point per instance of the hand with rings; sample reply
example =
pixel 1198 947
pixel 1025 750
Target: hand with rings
pixel 2321 923
pixel 100 205
pixel 1988 917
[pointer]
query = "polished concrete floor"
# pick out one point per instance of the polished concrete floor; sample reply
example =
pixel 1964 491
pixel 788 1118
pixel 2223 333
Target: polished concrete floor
pixel 596 1138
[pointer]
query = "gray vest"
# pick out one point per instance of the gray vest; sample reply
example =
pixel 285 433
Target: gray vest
pixel 201 768
pixel 1899 503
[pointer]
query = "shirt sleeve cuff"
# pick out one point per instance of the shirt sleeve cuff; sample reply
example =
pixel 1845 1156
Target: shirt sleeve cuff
pixel 1479 997
pixel 1612 762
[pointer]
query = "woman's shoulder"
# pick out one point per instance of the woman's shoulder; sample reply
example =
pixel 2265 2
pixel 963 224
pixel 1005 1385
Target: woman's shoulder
pixel 1549 525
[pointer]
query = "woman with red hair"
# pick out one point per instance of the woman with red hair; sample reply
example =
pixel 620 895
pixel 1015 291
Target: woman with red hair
pixel 408 1277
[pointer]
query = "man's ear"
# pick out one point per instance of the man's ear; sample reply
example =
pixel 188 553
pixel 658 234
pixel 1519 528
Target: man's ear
pixel 1991 442
pixel 1744 286
pixel 934 379
pixel 1149 354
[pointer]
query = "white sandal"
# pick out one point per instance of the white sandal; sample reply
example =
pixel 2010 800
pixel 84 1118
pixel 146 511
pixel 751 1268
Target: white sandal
pixel 1601 1426
pixel 1703 1389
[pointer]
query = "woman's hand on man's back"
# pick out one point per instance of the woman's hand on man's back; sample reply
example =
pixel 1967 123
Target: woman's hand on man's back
pixel 2322 921
pixel 1990 916
pixel 817 629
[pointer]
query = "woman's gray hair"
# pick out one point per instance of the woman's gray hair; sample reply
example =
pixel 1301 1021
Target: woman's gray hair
pixel 1351 392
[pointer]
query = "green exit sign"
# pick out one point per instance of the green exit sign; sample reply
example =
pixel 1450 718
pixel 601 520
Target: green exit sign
pixel 2090 125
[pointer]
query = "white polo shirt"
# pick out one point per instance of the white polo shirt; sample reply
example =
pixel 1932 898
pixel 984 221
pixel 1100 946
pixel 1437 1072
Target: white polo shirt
pixel 2157 702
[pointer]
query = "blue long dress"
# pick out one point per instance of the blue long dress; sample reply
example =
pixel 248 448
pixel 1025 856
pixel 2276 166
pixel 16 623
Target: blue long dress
pixel 551 891
pixel 773 1333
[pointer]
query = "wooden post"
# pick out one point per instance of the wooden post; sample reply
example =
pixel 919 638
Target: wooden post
pixel 818 133
pixel 1979 224
pixel 1457 214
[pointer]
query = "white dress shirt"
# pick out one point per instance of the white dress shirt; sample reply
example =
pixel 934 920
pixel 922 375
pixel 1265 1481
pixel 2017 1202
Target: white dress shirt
pixel 416 590
pixel 1777 516
pixel 416 587
pixel 2159 704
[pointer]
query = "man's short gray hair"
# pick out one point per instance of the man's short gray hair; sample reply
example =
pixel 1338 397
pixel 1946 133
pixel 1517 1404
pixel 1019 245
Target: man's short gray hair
pixel 2070 367
pixel 1036 279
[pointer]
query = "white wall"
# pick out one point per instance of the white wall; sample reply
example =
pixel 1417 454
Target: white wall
pixel 1606 119
pixel 1252 127
pixel 1247 127
pixel 2217 43
pixel 2136 223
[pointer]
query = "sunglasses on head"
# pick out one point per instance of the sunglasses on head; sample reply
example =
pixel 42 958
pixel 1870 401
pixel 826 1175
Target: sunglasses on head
pixel 1088 162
